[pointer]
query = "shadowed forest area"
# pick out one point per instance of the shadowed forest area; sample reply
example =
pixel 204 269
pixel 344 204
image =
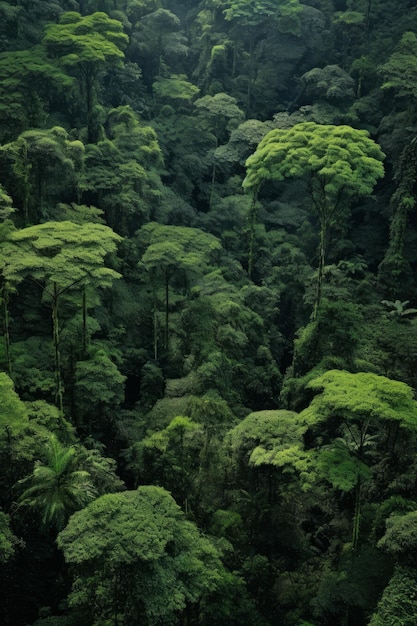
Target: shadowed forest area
pixel 208 304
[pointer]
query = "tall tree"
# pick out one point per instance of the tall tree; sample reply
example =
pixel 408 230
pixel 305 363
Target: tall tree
pixel 249 20
pixel 337 163
pixel 171 249
pixel 85 46
pixel 44 165
pixel 59 256
pixel 359 403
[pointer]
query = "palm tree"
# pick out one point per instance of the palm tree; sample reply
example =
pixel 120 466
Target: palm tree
pixel 56 488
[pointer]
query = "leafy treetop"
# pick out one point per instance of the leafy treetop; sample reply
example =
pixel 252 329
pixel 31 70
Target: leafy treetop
pixel 362 395
pixel 342 158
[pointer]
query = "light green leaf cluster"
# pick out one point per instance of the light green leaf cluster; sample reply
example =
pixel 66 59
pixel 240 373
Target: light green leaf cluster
pixel 170 247
pixel 274 438
pixel 400 538
pixel 61 253
pixel 339 158
pixel 292 459
pixel 98 381
pixel 94 38
pixel 340 468
pixel 178 427
pixel 13 413
pixel 176 88
pixel 398 605
pixel 362 395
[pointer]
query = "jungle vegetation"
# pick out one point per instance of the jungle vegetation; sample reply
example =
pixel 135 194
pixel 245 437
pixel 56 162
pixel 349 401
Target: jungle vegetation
pixel 208 305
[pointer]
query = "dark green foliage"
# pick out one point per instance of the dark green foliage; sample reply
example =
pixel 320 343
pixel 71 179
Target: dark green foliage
pixel 252 368
pixel 398 604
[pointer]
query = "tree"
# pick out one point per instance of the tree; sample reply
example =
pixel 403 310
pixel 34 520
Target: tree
pixel 60 256
pixel 359 403
pixel 7 539
pixel 137 559
pixel 171 249
pixel 44 164
pixel 400 71
pixel 24 428
pixel 85 46
pixel 29 79
pixel 122 171
pixel 250 19
pixel 57 487
pixel 98 387
pixel 398 604
pixel 394 272
pixel 338 163
pixel 220 114
pixel 157 44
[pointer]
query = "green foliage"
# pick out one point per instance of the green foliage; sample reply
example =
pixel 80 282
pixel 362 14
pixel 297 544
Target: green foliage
pixel 275 439
pixel 122 171
pixel 86 45
pixel 400 538
pixel 400 71
pixel 342 470
pixel 98 388
pixel 329 83
pixel 220 113
pixel 361 396
pixel 57 488
pixel 254 12
pixel 143 537
pixel 339 163
pixel 63 253
pixel 13 412
pixel 7 540
pixel 40 158
pixel 176 89
pixel 28 79
pixel 78 40
pixel 171 247
pixel 398 604
pixel 340 158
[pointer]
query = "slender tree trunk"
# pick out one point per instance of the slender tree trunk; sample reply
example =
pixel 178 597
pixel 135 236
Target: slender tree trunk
pixel 166 310
pixel 155 332
pixel 55 324
pixel 7 329
pixel 250 79
pixel 357 515
pixel 213 180
pixel 252 222
pixel 320 271
pixel 84 323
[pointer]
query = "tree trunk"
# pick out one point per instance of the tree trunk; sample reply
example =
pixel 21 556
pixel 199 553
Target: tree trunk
pixel 252 221
pixel 84 323
pixel 6 329
pixel 55 324
pixel 166 310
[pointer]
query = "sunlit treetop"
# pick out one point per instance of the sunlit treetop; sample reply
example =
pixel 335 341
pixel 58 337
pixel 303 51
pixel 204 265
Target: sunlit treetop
pixel 341 158
pixel 93 38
